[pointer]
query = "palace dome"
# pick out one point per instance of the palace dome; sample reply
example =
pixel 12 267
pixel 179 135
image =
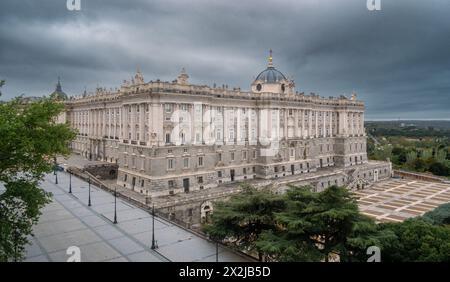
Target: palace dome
pixel 270 75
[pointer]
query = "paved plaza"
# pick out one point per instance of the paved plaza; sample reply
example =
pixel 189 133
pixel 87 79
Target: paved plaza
pixel 69 221
pixel 395 200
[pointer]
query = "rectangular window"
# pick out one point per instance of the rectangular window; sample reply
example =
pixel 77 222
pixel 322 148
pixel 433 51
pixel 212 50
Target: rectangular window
pixel 168 108
pixel 200 161
pixel 171 183
pixel 186 162
pixel 232 156
pixel 170 163
pixel 219 174
pixel 200 179
pixel 231 134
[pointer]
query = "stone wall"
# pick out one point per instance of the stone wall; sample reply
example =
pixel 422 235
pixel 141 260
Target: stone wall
pixel 103 171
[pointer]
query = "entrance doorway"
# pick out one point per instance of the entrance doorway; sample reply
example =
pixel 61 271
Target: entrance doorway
pixel 292 169
pixel 232 174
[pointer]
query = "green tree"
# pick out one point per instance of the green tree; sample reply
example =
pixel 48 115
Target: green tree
pixel 314 226
pixel 440 169
pixel 439 216
pixel 441 155
pixel 30 140
pixel 411 158
pixel 419 165
pixel 15 226
pixel 291 241
pixel 400 154
pixel 365 233
pixel 242 218
pixel 417 240
pixel 426 154
pixel 383 152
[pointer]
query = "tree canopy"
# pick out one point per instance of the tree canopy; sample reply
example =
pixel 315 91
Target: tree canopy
pixel 242 219
pixel 302 225
pixel 30 140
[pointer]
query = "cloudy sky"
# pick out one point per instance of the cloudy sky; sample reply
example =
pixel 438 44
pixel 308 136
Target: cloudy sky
pixel 397 60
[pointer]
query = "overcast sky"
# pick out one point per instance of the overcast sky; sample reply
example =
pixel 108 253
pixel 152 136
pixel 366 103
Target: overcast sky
pixel 397 60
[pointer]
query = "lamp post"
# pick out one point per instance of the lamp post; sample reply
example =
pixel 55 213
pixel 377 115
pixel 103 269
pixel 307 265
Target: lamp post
pixel 54 171
pixel 217 251
pixel 153 228
pixel 115 205
pixel 70 182
pixel 89 200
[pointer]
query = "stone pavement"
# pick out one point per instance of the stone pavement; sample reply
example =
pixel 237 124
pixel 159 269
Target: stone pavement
pixel 398 199
pixel 68 221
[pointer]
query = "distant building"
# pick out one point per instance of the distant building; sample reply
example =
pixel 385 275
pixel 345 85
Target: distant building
pixel 58 94
pixel 176 137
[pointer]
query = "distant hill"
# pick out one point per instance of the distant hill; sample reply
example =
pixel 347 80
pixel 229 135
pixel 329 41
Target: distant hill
pixel 423 124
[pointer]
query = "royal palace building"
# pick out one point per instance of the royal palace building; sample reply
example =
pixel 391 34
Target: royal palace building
pixel 176 137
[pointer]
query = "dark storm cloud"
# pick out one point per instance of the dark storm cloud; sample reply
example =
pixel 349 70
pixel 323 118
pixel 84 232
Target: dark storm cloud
pixel 397 59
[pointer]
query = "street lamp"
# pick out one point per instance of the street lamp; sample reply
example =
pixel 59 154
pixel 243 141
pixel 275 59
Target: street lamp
pixel 70 182
pixel 115 204
pixel 54 171
pixel 153 228
pixel 89 200
pixel 217 251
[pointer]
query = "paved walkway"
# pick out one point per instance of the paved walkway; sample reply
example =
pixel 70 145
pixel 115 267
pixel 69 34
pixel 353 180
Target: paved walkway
pixel 398 199
pixel 68 221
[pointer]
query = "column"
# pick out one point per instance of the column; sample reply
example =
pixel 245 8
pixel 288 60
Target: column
pixel 362 124
pixel 238 126
pixel 316 123
pixel 193 125
pixel 176 123
pixel 142 123
pixel 330 125
pixel 225 125
pixel 324 126
pixel 302 114
pixel 310 132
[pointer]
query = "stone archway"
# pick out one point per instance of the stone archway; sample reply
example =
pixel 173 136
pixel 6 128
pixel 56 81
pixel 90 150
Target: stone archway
pixel 206 210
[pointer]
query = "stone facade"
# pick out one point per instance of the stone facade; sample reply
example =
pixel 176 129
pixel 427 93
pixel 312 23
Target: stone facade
pixel 176 137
